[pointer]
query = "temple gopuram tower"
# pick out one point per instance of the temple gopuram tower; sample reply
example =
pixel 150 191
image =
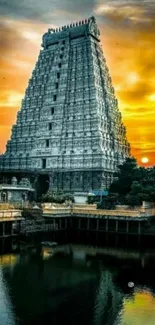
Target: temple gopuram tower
pixel 69 127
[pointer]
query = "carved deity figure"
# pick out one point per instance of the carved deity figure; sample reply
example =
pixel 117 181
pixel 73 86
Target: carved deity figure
pixel 14 181
pixel 77 180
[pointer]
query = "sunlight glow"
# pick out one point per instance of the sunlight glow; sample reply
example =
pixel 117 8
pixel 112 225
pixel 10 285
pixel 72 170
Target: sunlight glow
pixel 152 97
pixel 100 9
pixel 132 78
pixel 12 100
pixel 30 35
pixel 144 160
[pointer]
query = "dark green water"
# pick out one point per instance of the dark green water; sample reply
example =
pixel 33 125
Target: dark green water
pixel 77 285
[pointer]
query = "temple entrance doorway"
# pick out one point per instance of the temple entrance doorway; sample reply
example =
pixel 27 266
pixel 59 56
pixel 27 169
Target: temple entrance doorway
pixel 42 185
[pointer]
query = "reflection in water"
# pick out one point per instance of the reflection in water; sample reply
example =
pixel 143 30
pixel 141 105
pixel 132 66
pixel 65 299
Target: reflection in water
pixel 8 259
pixel 140 309
pixel 77 284
pixel 6 313
pixel 108 300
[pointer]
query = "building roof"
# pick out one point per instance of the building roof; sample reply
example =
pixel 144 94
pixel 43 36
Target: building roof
pixel 74 30
pixel 15 188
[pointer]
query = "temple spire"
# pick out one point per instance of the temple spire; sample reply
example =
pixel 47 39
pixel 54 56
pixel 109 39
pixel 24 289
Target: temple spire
pixel 69 124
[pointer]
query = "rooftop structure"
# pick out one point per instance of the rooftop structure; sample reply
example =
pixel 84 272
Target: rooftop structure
pixel 15 192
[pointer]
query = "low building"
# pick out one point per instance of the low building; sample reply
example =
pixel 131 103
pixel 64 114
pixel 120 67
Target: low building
pixel 16 192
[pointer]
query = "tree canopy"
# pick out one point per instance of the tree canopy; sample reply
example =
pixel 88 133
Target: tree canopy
pixel 132 185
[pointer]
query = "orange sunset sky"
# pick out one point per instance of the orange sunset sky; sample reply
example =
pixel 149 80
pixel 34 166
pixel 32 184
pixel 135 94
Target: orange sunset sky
pixel 128 39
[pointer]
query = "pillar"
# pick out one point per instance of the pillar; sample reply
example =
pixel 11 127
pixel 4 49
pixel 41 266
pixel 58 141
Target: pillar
pixel 54 224
pixel 2 246
pixel 127 232
pixel 60 224
pixel 66 223
pixel 139 232
pixel 3 229
pixel 50 181
pixel 127 227
pixel 107 225
pixel 88 222
pixel 53 181
pixel 34 185
pixel 79 223
pixel 71 222
pixel 116 226
pixel 97 228
pixel 139 228
pixel 11 228
pixel 19 226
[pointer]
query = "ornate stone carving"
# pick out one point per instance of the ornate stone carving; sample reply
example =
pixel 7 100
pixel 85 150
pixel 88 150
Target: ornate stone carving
pixel 14 181
pixel 25 182
pixel 66 180
pixel 63 129
pixel 87 177
pixel 93 27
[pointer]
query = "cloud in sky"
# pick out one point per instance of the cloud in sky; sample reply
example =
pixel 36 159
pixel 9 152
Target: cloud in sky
pixel 45 10
pixel 128 38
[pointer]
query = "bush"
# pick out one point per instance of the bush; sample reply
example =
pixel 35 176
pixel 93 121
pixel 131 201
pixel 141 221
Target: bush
pixel 57 197
pixel 91 199
pixel 108 203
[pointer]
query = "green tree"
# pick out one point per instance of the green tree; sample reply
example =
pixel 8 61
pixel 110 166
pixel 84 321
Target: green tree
pixel 136 188
pixel 133 185
pixel 133 200
pixel 125 176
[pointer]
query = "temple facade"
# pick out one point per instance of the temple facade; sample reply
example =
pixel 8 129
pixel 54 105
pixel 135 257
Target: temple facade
pixel 69 127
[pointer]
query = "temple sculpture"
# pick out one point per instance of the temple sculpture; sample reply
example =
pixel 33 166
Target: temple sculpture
pixel 69 127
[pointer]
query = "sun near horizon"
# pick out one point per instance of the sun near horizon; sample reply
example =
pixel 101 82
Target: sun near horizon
pixel 145 160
